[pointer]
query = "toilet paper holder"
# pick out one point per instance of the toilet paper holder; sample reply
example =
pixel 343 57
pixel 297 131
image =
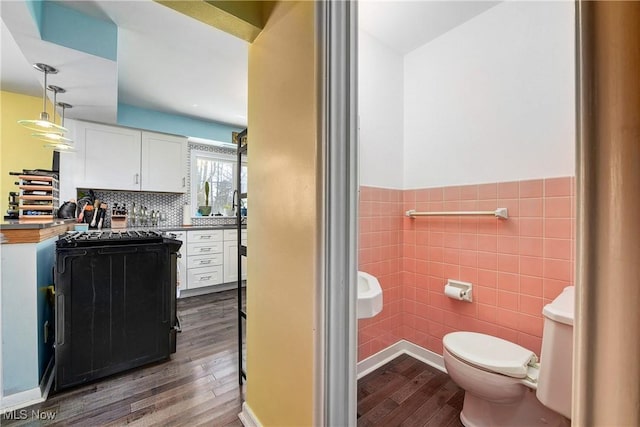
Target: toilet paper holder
pixel 458 290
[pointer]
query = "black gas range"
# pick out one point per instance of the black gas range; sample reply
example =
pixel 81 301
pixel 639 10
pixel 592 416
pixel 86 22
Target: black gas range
pixel 115 309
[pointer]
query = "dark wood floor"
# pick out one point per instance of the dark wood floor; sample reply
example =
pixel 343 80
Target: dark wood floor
pixel 407 392
pixel 198 386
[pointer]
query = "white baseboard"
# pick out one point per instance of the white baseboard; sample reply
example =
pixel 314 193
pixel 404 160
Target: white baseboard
pixel 30 397
pixel 20 400
pixel 386 355
pixel 247 417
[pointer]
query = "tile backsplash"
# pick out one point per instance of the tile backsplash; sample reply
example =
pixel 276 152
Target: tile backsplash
pixel 171 204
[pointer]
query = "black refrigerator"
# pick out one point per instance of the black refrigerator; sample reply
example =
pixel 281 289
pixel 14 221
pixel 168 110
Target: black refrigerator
pixel 115 303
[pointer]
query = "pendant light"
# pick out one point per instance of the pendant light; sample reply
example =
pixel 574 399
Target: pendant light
pixel 61 144
pixel 43 124
pixel 53 135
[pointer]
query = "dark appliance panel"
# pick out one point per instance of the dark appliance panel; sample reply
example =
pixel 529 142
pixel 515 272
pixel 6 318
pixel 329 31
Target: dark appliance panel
pixel 115 305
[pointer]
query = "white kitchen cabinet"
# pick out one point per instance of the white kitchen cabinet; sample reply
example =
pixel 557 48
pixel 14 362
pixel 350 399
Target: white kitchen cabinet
pixel 163 163
pixel 231 256
pixel 204 248
pixel 108 157
pixel 117 158
pixel 204 276
pixel 199 236
pixel 182 260
pixel 205 258
pixel 209 258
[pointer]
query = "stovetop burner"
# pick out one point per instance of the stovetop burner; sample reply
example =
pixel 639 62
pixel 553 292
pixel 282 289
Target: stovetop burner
pixel 107 235
pixel 94 238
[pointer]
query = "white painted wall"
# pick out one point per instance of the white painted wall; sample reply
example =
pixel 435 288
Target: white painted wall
pixel 18 326
pixel 493 99
pixel 380 86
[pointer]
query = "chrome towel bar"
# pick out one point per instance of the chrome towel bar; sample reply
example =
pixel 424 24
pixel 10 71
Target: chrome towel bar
pixel 498 213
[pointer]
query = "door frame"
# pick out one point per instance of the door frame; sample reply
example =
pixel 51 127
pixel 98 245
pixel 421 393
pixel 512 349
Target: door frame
pixel 337 25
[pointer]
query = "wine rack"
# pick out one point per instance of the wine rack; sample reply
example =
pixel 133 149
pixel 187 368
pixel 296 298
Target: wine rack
pixel 39 197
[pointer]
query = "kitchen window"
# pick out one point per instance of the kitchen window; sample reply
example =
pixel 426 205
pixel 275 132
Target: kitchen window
pixel 219 170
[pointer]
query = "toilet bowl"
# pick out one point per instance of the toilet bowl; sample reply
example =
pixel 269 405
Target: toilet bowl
pixel 499 385
pixel 504 383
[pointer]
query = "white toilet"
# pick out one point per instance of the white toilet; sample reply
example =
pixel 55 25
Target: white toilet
pixel 504 383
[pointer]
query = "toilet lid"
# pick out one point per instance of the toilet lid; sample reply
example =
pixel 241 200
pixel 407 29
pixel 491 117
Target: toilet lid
pixel 490 353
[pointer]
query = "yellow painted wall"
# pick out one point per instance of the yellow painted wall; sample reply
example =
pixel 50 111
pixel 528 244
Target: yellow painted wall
pixel 18 150
pixel 285 217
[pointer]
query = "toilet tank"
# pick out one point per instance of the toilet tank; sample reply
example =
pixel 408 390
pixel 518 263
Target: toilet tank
pixel 556 357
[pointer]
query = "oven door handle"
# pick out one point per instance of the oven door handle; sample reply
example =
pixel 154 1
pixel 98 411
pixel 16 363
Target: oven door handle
pixel 124 249
pixel 60 316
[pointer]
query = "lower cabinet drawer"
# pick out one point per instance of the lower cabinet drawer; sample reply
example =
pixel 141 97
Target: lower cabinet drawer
pixel 204 276
pixel 205 236
pixel 204 260
pixel 204 249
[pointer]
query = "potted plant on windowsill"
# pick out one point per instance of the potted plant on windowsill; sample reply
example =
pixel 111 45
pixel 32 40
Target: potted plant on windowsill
pixel 205 210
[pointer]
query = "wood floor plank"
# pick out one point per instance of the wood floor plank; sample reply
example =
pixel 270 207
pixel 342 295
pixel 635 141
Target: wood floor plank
pixel 455 421
pixel 416 400
pixel 235 423
pixel 405 365
pixel 380 381
pixel 432 401
pixel 364 381
pixel 199 383
pixel 167 415
pixel 416 369
pixel 221 411
pixel 379 411
pixel 376 397
pixel 181 392
pixel 412 386
pixel 457 400
pixel 444 416
pixel 421 394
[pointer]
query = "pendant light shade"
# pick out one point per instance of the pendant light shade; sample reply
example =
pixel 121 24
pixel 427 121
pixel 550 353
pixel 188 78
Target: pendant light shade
pixel 61 147
pixel 56 140
pixel 43 124
pixel 53 135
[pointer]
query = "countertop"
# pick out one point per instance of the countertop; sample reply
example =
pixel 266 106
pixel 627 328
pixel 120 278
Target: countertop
pixel 32 231
pixel 31 224
pixel 17 224
pixel 201 227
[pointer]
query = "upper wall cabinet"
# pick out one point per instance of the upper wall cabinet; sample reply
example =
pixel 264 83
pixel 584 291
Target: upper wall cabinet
pixel 115 158
pixel 108 157
pixel 163 163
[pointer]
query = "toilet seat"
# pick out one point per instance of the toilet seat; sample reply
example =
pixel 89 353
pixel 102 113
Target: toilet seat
pixel 490 353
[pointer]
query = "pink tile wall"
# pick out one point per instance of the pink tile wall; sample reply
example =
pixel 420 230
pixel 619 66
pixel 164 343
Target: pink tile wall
pixel 380 254
pixel 516 265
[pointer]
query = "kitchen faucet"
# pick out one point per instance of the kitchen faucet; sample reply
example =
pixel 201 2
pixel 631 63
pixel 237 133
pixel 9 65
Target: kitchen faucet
pixel 233 202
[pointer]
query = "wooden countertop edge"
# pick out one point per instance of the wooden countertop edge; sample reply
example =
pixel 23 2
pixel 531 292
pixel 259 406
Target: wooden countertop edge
pixel 34 235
